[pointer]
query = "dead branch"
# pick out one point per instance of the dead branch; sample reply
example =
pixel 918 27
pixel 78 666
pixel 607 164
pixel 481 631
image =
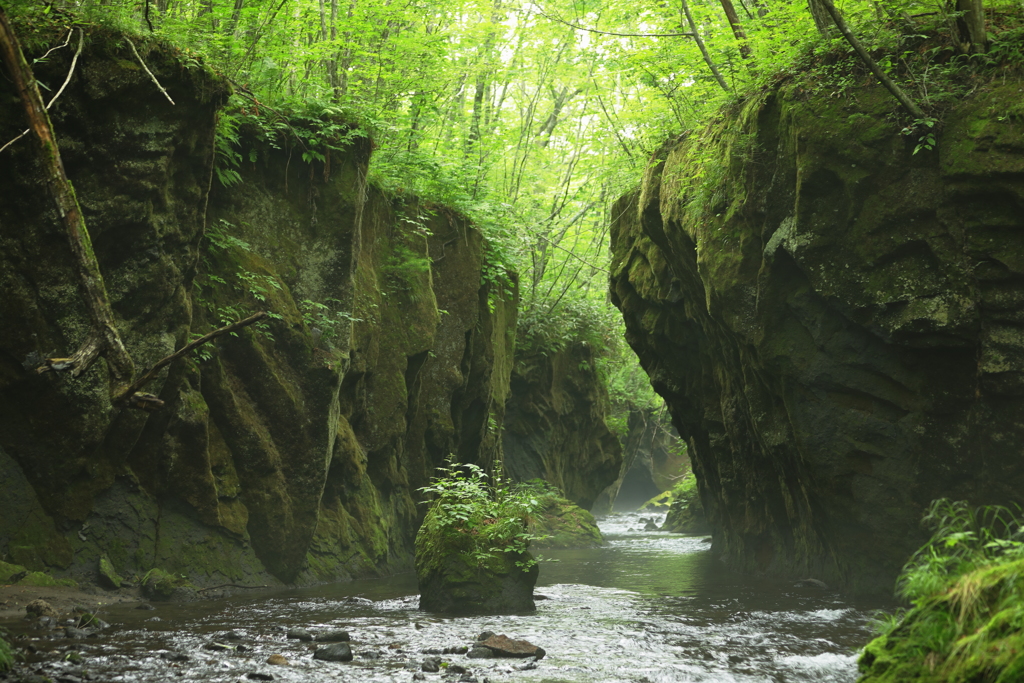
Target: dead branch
pixel 74 61
pixel 105 339
pixel 146 69
pixel 130 392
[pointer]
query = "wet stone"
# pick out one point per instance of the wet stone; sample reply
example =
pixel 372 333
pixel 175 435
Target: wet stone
pixel 218 647
pixel 480 652
pixel 76 633
pixel 335 652
pixel 334 637
pixel 503 646
pixel 174 656
pixel 257 676
pixel 456 669
pixel 299 634
pixel 40 608
pixel 431 664
pixel 369 655
pixel 45 623
pixel 277 660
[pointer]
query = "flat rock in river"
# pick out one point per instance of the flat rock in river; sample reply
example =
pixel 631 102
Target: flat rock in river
pixel 503 646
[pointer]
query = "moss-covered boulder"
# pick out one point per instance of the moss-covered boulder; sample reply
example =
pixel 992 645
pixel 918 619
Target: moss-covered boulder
pixel 471 551
pixel 685 513
pixel 158 584
pixel 560 523
pixel 108 576
pixel 456 576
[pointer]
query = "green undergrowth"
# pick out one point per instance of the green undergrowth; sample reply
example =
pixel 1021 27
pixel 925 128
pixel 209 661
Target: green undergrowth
pixel 479 516
pixel 6 653
pixel 966 590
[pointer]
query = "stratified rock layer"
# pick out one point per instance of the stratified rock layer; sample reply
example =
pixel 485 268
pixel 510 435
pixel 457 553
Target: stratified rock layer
pixel 836 323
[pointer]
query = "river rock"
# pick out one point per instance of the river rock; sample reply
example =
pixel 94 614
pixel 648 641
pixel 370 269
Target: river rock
pixel 480 652
pixel 334 652
pixel 40 608
pixel 299 634
pixel 278 660
pixel 503 646
pixel 108 578
pixel 453 580
pixel 811 583
pixel 337 636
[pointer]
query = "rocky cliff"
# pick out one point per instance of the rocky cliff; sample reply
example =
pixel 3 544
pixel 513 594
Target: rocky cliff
pixel 290 453
pixel 835 321
pixel 654 458
pixel 555 423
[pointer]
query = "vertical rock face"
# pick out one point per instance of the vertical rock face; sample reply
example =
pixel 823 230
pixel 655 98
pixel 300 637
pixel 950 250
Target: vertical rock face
pixel 288 453
pixel 554 424
pixel 654 459
pixel 835 322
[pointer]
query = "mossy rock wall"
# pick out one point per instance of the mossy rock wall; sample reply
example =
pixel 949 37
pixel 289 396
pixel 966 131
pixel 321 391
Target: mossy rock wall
pixel 654 457
pixel 834 321
pixel 555 424
pixel 283 456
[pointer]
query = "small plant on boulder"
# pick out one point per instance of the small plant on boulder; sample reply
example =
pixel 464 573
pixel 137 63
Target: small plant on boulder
pixel 472 549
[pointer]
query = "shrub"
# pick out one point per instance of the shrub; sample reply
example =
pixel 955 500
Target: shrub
pixel 480 515
pixel 966 589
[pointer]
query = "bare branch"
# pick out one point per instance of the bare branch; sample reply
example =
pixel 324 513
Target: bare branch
pixel 611 33
pixel 74 61
pixel 146 68
pixel 150 374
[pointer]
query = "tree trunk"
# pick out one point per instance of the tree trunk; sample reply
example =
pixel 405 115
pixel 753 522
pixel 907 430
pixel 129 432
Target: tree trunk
pixel 970 26
pixel 896 91
pixel 105 339
pixel 703 49
pixel 737 28
pixel 821 17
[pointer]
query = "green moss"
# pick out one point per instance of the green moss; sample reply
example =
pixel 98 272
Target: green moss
pixel 971 632
pixel 7 570
pixel 158 584
pixel 44 579
pixel 560 523
pixel 685 513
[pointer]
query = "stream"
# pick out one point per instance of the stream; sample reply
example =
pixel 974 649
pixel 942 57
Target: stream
pixel 648 607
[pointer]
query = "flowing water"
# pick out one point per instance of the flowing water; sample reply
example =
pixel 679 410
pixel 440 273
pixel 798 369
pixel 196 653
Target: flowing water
pixel 649 607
